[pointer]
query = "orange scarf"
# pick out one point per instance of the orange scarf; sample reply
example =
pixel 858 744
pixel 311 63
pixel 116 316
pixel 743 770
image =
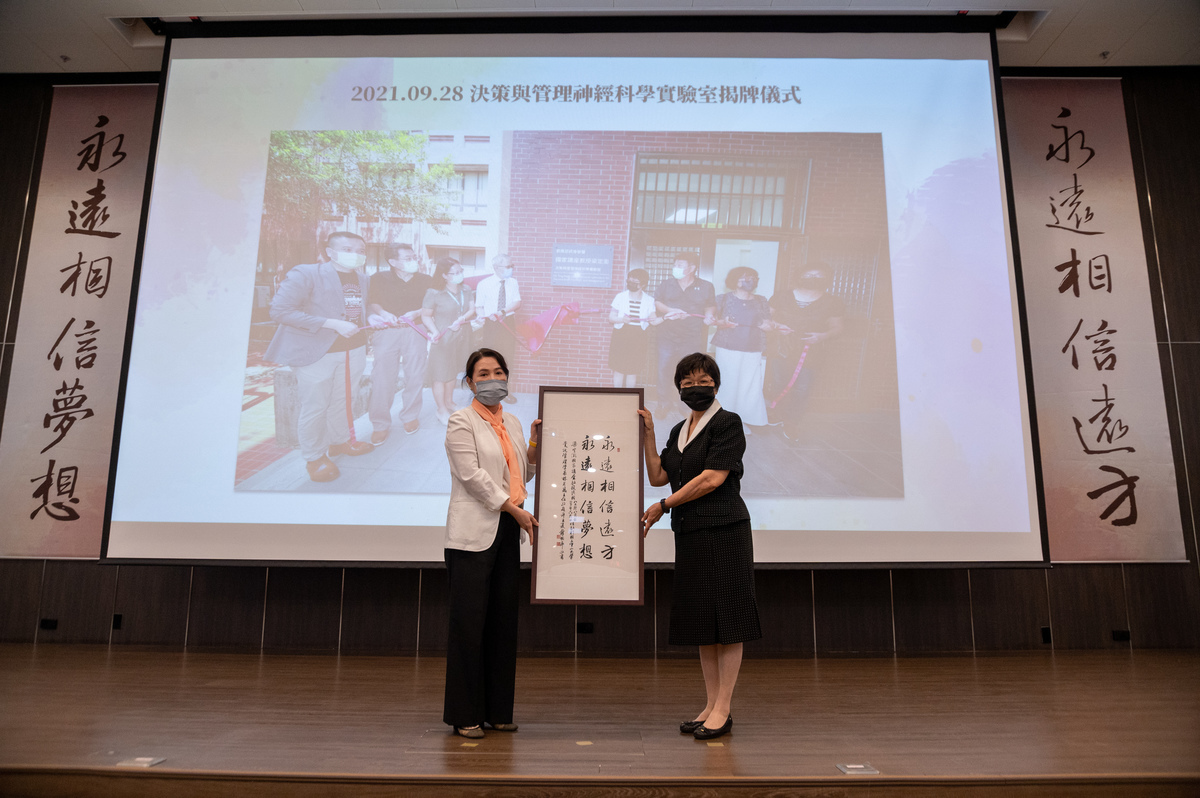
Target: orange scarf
pixel 516 486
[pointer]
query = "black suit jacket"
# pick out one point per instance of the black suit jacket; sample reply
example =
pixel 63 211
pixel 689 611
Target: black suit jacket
pixel 719 446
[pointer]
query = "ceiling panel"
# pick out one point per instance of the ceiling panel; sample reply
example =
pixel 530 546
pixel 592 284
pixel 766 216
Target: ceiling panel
pixel 102 9
pixel 888 6
pixel 1030 52
pixel 811 5
pixel 1166 38
pixel 247 7
pixel 339 6
pixel 575 5
pixel 495 5
pixel 134 59
pixel 417 5
pixel 19 54
pixel 644 5
pixel 1118 13
pixel 1081 45
pixel 57 31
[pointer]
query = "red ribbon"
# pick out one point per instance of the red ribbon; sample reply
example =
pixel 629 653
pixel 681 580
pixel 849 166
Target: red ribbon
pixel 792 381
pixel 396 325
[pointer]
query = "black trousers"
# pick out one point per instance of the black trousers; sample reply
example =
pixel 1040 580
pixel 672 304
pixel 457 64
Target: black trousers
pixel 481 649
pixel 493 335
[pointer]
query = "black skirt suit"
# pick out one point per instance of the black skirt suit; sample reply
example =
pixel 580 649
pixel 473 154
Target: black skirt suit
pixel 713 599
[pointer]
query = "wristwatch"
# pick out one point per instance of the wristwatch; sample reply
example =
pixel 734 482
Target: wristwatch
pixel 663 503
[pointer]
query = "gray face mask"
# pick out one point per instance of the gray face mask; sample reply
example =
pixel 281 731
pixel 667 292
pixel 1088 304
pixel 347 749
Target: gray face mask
pixel 491 392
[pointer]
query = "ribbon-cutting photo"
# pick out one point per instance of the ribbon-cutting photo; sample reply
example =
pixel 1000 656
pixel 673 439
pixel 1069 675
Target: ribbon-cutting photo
pixel 586 259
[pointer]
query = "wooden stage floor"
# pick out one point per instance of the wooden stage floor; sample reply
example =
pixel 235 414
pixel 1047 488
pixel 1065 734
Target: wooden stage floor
pixel 1073 723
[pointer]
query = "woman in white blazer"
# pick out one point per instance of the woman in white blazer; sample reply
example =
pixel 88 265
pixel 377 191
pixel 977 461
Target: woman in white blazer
pixel 490 464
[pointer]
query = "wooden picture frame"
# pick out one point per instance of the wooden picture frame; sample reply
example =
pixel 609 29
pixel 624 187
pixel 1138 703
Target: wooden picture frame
pixel 588 497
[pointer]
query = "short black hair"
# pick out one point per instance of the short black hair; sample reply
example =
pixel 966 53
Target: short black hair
pixel 392 251
pixel 639 274
pixel 815 266
pixel 478 355
pixel 737 273
pixel 690 257
pixel 697 361
pixel 342 234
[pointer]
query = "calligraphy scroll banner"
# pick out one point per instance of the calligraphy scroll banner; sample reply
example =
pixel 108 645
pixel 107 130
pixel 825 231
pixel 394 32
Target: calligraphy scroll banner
pixel 588 497
pixel 62 392
pixel 1105 446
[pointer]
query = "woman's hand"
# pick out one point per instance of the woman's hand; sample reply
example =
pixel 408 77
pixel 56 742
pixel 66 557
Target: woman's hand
pixel 524 519
pixel 535 432
pixel 647 424
pixel 650 517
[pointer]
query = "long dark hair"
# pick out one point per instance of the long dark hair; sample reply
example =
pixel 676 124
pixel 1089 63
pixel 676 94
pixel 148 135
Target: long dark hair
pixel 478 355
pixel 444 265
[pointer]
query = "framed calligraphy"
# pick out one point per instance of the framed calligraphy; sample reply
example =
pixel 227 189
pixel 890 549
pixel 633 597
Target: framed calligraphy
pixel 588 497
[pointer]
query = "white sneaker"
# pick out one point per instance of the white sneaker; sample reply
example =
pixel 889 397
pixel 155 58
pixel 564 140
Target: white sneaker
pixel 443 416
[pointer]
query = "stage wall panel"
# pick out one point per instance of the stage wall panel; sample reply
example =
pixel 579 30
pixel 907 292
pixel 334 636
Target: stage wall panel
pixel 303 609
pixel 20 594
pixel 1009 608
pixel 152 601
pixel 853 612
pixel 227 606
pixel 932 611
pixel 379 610
pixel 78 597
pixel 1162 601
pixel 1087 604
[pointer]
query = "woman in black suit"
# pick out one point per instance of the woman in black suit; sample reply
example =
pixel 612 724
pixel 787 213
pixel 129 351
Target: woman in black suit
pixel 713 605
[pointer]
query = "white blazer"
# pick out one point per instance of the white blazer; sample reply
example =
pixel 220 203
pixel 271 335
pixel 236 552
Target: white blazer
pixel 479 477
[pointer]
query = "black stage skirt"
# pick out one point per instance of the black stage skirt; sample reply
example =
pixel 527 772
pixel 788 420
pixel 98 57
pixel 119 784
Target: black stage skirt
pixel 713 599
pixel 627 349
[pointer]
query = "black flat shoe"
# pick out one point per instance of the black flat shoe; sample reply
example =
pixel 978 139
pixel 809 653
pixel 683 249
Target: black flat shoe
pixel 705 733
pixel 689 726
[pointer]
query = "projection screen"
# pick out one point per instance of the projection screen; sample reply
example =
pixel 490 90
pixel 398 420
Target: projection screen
pixel 826 213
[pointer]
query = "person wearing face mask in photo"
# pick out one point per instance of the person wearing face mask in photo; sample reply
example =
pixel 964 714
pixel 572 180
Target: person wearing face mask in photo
pixel 806 317
pixel 712 604
pixel 687 305
pixel 490 464
pixel 497 300
pixel 319 308
pixel 631 315
pixel 448 307
pixel 743 320
pixel 394 297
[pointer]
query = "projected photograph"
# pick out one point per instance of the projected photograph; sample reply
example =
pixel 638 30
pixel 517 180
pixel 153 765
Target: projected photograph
pixel 588 259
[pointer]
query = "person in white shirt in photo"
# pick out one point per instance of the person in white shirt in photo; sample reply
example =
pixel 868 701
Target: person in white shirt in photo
pixel 497 300
pixel 632 313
